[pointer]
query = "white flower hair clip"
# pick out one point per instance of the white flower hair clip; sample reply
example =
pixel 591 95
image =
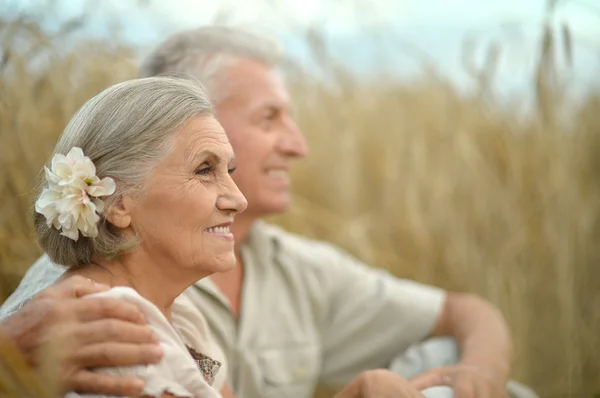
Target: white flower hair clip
pixel 71 201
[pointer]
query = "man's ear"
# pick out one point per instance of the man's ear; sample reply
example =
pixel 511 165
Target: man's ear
pixel 119 213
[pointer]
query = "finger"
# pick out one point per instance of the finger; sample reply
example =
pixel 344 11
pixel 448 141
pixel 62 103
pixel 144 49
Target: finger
pixel 115 330
pixel 72 287
pixel 96 308
pixel 432 378
pixel 101 384
pixel 466 388
pixel 91 287
pixel 117 354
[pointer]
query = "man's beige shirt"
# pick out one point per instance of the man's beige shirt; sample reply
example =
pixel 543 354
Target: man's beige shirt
pixel 311 313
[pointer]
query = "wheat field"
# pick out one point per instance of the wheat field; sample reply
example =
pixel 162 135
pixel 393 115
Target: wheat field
pixel 432 184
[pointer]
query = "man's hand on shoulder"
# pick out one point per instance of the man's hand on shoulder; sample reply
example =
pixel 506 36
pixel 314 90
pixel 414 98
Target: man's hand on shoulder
pixel 90 332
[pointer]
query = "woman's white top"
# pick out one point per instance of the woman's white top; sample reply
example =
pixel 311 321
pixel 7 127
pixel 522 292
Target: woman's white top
pixel 177 373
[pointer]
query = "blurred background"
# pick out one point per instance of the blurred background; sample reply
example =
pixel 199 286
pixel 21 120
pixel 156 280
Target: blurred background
pixel 453 142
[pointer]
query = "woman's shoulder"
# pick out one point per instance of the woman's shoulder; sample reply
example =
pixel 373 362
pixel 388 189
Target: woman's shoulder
pixel 121 292
pixel 155 319
pixel 178 371
pixel 131 295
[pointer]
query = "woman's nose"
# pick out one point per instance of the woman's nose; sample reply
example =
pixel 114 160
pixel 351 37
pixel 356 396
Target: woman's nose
pixel 232 199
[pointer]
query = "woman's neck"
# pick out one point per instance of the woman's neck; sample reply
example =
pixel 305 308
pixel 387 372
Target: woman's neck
pixel 158 283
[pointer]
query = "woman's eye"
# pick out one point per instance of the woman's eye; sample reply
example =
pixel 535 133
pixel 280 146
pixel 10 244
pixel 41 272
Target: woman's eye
pixel 231 170
pixel 204 170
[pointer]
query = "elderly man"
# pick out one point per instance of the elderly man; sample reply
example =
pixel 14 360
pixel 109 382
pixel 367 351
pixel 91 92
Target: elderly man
pixel 296 312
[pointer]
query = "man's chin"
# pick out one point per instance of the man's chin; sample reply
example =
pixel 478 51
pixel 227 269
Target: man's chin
pixel 277 205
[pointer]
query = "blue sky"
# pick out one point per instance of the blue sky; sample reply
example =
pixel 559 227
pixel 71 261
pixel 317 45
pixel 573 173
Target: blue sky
pixel 373 35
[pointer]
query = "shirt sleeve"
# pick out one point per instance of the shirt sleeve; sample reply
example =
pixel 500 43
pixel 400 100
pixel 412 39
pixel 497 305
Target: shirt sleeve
pixel 176 373
pixel 39 276
pixel 371 316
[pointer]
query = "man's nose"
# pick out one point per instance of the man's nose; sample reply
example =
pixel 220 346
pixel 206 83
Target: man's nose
pixel 292 142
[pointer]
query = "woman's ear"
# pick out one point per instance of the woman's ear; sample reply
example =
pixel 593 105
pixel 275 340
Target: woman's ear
pixel 119 213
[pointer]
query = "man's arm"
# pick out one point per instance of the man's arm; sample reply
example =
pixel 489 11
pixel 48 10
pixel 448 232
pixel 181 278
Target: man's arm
pixel 485 345
pixel 366 317
pixel 379 383
pixel 92 332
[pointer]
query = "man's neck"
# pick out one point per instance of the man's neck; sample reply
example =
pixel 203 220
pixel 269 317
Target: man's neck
pixel 231 284
pixel 241 228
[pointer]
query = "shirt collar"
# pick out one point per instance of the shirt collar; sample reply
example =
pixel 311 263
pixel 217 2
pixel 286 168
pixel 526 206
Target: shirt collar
pixel 258 250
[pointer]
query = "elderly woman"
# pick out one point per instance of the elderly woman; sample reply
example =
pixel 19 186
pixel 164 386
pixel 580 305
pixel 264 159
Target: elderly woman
pixel 138 196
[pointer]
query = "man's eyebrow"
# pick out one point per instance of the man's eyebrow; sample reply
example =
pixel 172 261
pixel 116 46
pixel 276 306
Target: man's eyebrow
pixel 272 106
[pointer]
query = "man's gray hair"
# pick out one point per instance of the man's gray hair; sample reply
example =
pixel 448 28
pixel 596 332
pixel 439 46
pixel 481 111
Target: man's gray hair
pixel 125 130
pixel 206 52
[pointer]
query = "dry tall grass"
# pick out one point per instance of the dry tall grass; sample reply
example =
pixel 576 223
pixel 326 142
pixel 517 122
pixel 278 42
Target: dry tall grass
pixel 419 179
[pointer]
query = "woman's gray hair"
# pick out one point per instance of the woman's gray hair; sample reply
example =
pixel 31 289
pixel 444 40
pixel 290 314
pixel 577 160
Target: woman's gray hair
pixel 125 130
pixel 205 53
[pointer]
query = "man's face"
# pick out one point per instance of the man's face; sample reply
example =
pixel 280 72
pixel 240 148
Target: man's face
pixel 257 119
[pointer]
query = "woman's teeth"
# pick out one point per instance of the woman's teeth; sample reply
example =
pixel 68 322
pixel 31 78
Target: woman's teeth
pixel 218 230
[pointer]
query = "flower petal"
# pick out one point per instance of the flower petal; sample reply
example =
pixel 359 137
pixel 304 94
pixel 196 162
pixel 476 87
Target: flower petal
pixel 75 155
pixel 84 169
pixel 55 223
pixel 88 220
pixel 50 214
pixel 69 202
pixel 58 158
pixel 46 205
pixel 90 233
pixel 100 206
pixel 71 232
pixel 48 198
pixel 104 187
pixel 66 220
pixel 62 168
pixel 52 178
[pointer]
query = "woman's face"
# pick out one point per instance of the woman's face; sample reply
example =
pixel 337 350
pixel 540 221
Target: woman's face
pixel 189 201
